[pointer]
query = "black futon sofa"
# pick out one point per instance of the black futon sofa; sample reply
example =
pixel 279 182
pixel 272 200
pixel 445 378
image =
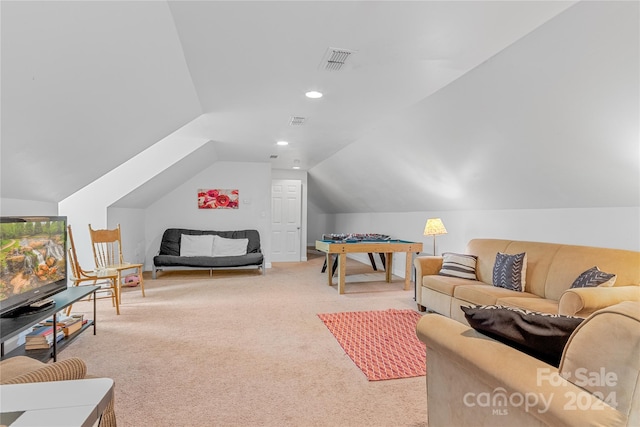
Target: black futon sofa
pixel 169 254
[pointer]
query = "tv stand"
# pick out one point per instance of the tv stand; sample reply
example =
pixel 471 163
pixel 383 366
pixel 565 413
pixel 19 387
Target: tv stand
pixel 35 307
pixel 13 326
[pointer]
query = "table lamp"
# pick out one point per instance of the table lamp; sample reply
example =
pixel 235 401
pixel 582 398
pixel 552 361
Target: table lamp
pixel 434 227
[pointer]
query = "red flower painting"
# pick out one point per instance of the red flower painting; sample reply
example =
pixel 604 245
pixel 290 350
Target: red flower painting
pixel 217 199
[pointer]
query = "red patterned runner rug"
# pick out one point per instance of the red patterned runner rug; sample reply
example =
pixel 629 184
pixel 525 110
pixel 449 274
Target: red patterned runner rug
pixel 383 344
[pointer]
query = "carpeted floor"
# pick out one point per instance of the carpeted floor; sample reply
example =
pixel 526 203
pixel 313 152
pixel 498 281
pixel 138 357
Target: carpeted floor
pixel 243 349
pixel 383 344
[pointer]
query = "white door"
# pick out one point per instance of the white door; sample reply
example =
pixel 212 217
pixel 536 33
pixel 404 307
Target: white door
pixel 286 217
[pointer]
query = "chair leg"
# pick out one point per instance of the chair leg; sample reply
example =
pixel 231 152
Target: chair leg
pixel 119 286
pixel 141 280
pixel 115 298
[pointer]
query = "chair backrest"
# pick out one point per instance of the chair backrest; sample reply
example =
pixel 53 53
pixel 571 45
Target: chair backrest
pixel 107 246
pixel 73 257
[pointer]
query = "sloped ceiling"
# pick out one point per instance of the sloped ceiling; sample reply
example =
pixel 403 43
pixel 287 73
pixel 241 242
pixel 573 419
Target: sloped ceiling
pixel 550 122
pixel 181 171
pixel 86 86
pixel 442 103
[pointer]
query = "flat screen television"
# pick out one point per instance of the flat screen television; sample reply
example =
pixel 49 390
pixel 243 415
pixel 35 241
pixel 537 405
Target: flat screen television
pixel 32 260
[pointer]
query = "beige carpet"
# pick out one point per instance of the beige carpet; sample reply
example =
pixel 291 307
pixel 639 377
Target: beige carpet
pixel 242 349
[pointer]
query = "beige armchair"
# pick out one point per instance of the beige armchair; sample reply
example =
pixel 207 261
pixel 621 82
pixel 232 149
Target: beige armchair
pixel 22 369
pixel 473 380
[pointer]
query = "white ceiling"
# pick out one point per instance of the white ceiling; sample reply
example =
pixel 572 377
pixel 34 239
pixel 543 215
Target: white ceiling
pixel 252 62
pixel 87 85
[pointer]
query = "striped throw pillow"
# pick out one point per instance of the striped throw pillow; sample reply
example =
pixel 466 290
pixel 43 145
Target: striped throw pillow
pixel 458 265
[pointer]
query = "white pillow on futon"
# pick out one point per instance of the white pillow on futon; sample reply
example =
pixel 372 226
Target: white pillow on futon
pixel 196 245
pixel 229 247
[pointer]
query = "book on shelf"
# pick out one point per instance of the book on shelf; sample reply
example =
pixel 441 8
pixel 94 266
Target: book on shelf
pixel 40 332
pixel 69 324
pixel 42 338
pixel 80 317
pixel 72 327
pixel 61 319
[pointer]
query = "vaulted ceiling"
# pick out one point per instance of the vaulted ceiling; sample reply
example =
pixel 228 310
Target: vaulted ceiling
pixel 441 105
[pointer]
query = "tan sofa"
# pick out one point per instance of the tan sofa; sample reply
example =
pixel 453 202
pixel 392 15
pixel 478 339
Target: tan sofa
pixel 22 369
pixel 473 380
pixel 550 271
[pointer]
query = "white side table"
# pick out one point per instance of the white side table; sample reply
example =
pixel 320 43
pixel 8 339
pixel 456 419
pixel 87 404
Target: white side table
pixel 56 403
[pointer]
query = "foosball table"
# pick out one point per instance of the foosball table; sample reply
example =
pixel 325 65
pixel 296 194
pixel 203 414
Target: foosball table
pixel 385 246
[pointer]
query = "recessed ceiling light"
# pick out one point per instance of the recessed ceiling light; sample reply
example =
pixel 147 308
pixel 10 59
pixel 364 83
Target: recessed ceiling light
pixel 313 94
pixel 282 143
pixel 296 167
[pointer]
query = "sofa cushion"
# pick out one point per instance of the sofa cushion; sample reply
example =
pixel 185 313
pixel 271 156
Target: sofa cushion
pixel 540 335
pixel 486 294
pixel 458 265
pixel 510 271
pixel 196 245
pixel 208 261
pixel 444 284
pixel 229 247
pixel 533 304
pixel 594 277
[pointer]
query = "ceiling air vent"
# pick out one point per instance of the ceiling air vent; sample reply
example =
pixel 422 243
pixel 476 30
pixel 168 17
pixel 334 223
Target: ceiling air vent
pixel 335 58
pixel 296 121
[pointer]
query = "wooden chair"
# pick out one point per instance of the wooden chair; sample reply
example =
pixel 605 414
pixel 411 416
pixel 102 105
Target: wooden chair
pixel 80 275
pixel 107 253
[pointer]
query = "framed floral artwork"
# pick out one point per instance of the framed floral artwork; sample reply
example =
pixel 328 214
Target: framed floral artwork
pixel 217 199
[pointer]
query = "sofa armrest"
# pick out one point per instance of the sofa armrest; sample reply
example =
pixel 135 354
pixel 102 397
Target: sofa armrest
pixel 475 380
pixel 425 266
pixel 36 372
pixel 582 302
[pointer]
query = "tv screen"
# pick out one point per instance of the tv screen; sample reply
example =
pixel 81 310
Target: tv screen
pixel 32 259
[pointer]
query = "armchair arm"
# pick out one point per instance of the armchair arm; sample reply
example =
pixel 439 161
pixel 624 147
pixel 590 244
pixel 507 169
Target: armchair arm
pixel 23 369
pixel 69 369
pixel 583 302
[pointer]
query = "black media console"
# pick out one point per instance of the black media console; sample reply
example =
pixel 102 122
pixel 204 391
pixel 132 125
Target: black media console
pixel 12 326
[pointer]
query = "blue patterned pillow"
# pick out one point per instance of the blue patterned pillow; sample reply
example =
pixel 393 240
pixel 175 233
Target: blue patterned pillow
pixel 510 271
pixel 594 277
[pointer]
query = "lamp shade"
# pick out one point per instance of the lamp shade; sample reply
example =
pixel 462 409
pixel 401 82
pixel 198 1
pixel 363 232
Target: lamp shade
pixel 434 227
